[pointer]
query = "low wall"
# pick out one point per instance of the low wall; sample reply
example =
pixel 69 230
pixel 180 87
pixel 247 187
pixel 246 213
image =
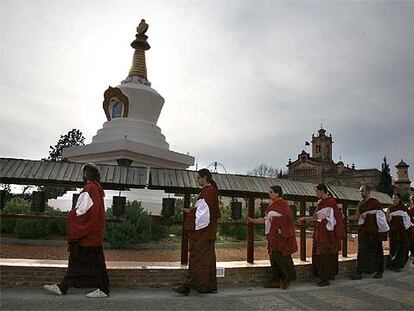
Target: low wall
pixel 36 272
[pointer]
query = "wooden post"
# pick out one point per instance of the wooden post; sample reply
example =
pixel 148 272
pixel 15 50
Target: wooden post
pixel 345 240
pixel 250 231
pixel 302 240
pixel 184 233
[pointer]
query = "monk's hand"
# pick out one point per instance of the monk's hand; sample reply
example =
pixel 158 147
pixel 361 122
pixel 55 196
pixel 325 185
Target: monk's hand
pixel 179 209
pixel 249 220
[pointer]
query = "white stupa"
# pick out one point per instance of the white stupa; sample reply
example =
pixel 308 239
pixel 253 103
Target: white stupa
pixel 130 137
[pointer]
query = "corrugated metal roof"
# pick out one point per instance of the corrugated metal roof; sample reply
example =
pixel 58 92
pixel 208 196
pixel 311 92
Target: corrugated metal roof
pixel 238 185
pixel 352 194
pixel 229 184
pixel 17 171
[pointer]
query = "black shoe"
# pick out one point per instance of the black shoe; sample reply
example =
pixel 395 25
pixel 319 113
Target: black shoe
pixel 356 276
pixel 323 283
pixel 285 284
pixel 397 270
pixel 181 290
pixel 378 275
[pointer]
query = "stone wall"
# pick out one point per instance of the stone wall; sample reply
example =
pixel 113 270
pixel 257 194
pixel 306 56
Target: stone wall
pixel 235 274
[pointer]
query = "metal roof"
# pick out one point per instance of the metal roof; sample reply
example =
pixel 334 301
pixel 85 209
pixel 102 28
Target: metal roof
pixel 352 194
pixel 228 184
pixel 29 172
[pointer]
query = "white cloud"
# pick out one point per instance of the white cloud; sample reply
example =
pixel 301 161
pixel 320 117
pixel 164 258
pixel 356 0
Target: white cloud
pixel 244 82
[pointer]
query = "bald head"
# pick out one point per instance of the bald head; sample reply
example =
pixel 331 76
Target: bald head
pixel 365 191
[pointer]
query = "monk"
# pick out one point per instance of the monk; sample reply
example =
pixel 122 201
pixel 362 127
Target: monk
pixel 411 214
pixel 201 222
pixel 399 235
pixel 328 233
pixel 281 239
pixel 85 233
pixel 372 230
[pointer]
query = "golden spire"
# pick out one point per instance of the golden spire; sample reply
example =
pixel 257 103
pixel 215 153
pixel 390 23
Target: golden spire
pixel 138 71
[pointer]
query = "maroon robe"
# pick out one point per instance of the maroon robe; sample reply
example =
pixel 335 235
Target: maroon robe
pixel 399 239
pixel 370 226
pixel 282 236
pixel 88 229
pixel 397 228
pixel 411 213
pixel 85 233
pixel 329 242
pixel 202 260
pixel 370 251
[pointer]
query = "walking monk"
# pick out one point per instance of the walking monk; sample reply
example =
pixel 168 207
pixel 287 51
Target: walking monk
pixel 411 214
pixel 281 239
pixel 85 233
pixel 201 222
pixel 372 230
pixel 400 232
pixel 328 232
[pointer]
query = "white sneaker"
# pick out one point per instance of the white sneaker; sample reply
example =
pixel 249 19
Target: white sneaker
pixel 53 289
pixel 97 294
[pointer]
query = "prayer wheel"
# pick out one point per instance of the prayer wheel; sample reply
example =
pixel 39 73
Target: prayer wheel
pixel 351 211
pixel 294 210
pixel 262 207
pixel 168 207
pixel 118 206
pixel 3 195
pixel 75 197
pixel 312 210
pixel 38 201
pixel 236 210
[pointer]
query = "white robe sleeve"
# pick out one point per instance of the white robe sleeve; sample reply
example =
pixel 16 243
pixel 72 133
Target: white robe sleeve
pixel 83 204
pixel 268 220
pixel 328 214
pixel 382 222
pixel 202 216
pixel 404 215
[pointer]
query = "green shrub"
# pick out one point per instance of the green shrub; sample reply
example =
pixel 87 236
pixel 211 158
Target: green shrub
pixel 30 228
pixel 135 228
pixel 14 206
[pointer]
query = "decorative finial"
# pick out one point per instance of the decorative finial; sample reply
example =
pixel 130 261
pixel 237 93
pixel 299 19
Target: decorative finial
pixel 142 27
pixel 138 71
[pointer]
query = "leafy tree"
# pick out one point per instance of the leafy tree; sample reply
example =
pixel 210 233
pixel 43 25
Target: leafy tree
pixel 264 170
pixel 385 183
pixel 72 138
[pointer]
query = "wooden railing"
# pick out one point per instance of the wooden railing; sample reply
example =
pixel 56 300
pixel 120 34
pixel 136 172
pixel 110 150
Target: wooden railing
pixel 184 236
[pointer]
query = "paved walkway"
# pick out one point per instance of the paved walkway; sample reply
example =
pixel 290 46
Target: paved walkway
pixel 393 292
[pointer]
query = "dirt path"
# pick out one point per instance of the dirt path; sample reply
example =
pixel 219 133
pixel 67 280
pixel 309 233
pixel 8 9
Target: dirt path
pixel 60 252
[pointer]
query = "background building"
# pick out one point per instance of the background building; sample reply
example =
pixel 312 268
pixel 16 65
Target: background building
pixel 320 167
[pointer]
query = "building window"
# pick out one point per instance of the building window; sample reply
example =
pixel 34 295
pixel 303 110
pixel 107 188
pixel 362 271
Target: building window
pixel 318 148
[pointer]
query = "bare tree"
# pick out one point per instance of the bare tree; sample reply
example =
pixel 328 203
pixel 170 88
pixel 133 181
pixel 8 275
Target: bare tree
pixel 264 170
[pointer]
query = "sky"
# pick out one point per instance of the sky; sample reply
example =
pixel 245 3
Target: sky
pixel 244 82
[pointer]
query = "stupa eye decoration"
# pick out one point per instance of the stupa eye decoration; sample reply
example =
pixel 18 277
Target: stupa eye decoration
pixel 116 104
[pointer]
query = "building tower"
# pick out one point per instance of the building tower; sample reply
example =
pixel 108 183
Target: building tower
pixel 402 181
pixel 322 146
